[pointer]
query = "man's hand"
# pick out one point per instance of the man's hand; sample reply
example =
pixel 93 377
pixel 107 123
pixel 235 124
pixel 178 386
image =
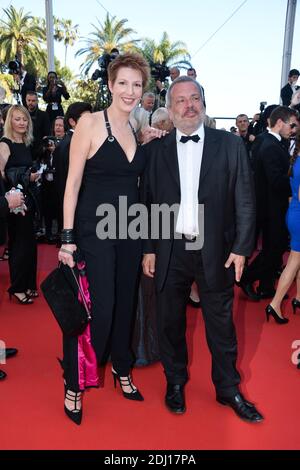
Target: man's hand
pixel 239 263
pixel 149 265
pixel 14 199
pixel 34 176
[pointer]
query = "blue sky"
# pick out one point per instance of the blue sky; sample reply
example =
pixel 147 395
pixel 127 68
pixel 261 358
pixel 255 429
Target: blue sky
pixel 239 67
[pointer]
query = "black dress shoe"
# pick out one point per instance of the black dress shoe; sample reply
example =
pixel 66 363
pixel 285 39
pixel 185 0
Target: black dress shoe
pixel 2 374
pixel 248 290
pixel 174 399
pixel 10 352
pixel 244 409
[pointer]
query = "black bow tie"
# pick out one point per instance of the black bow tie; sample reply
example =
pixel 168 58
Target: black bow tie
pixel 185 138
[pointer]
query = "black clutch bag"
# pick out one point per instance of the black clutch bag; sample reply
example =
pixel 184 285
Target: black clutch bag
pixel 62 290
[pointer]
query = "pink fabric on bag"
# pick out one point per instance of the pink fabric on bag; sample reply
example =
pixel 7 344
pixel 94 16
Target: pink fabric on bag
pixel 87 361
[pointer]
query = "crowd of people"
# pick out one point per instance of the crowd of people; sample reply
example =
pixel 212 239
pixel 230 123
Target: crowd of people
pixel 58 171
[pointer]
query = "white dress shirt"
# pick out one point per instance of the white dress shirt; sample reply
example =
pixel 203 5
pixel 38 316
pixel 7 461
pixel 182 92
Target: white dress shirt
pixel 189 162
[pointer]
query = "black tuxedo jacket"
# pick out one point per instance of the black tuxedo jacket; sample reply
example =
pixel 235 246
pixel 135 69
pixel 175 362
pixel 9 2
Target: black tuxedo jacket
pixel 272 181
pixel 61 165
pixel 3 200
pixel 286 94
pixel 227 191
pixel 28 85
pixel 41 128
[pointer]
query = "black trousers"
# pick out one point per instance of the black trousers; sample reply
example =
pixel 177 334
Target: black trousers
pixel 112 269
pixel 22 252
pixel 50 205
pixel 185 267
pixel 265 265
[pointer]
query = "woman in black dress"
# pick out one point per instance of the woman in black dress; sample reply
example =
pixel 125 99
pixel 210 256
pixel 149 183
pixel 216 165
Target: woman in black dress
pixel 15 165
pixel 105 164
pixel 52 94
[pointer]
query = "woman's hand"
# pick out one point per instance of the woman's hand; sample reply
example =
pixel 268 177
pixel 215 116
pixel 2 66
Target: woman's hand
pixel 151 133
pixel 65 254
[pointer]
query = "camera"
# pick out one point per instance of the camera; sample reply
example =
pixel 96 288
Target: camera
pixel 14 67
pixel 103 63
pixel 159 71
pixel 50 140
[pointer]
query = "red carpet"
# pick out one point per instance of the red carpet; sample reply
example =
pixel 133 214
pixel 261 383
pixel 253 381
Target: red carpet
pixel 32 414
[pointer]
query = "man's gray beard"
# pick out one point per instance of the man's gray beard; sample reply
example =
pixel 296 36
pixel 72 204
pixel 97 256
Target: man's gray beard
pixel 201 121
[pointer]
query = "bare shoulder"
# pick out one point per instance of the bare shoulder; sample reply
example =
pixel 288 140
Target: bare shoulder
pixel 91 121
pixel 4 151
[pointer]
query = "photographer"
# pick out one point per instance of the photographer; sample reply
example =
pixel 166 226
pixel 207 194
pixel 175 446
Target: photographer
pixel 52 94
pixel 48 191
pixel 160 73
pixel 104 62
pixel 25 81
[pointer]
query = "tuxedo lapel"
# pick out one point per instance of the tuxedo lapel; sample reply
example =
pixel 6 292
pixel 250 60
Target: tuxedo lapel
pixel 210 149
pixel 170 156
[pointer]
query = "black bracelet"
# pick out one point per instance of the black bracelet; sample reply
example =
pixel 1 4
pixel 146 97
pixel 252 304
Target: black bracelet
pixel 67 236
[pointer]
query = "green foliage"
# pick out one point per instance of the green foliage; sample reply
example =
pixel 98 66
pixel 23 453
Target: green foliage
pixel 24 35
pixel 172 53
pixel 84 90
pixel 111 34
pixel 20 36
pixel 7 82
pixel 65 32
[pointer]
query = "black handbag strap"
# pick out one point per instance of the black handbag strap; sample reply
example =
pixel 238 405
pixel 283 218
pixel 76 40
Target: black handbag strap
pixel 82 295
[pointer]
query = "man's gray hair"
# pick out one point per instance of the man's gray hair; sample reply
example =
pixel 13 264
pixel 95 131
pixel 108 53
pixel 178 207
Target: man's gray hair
pixel 148 94
pixel 182 79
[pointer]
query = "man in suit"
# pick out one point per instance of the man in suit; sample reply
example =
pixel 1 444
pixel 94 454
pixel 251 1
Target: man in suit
pixel 61 153
pixel 290 88
pixel 40 121
pixel 8 201
pixel 197 165
pixel 191 72
pixel 272 193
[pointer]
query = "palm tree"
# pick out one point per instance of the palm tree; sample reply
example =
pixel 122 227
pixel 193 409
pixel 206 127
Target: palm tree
pixel 171 53
pixel 20 36
pixel 111 34
pixel 66 32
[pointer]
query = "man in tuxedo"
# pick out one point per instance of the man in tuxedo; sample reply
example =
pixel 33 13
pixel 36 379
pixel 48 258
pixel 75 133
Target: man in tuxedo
pixel 191 72
pixel 61 153
pixel 197 165
pixel 40 122
pixel 290 88
pixel 272 194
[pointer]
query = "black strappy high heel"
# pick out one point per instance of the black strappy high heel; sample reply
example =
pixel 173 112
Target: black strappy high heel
pixel 127 382
pixel 270 311
pixel 23 301
pixel 32 293
pixel 76 414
